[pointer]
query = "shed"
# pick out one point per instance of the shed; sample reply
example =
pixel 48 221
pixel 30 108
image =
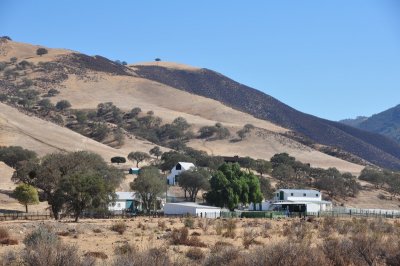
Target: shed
pixel 125 201
pixel 134 170
pixel 192 208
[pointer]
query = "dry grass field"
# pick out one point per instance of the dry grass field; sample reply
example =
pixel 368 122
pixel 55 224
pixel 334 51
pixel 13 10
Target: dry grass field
pixel 195 241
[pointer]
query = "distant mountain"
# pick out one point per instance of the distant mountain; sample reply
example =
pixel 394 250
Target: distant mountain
pixel 369 146
pixel 354 122
pixel 386 123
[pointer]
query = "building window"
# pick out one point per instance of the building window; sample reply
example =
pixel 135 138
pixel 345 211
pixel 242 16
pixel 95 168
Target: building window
pixel 277 194
pixel 118 205
pixel 291 194
pixel 304 194
pixel 316 195
pixel 178 166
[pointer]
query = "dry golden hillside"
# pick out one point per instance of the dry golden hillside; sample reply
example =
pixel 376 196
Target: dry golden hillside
pixel 128 91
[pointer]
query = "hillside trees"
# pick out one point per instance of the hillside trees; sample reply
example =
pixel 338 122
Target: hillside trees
pixel 13 155
pixel 149 184
pixel 156 151
pixel 138 156
pixel 193 181
pixel 118 159
pixel 52 170
pixel 231 186
pixel 63 104
pixel 26 195
pixel 218 131
pixel 41 51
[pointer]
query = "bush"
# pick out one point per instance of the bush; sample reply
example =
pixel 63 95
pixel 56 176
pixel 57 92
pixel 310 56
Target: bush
pixel 4 233
pixel 189 222
pixel 230 227
pixel 181 237
pixel 195 254
pixel 119 227
pixel 52 92
pixel 9 241
pixel 97 255
pixel 12 155
pixel 63 104
pixel 249 238
pixel 224 256
pixel 41 51
pixel 42 235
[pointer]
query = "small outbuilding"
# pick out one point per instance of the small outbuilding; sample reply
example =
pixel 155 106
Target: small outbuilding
pixel 192 208
pixel 134 170
pixel 126 202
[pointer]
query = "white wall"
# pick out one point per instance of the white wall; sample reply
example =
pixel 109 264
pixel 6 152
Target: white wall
pixel 174 172
pixel 311 207
pixel 299 196
pixel 118 206
pixel 175 209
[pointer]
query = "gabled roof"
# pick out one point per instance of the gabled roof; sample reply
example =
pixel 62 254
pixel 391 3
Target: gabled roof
pixel 186 165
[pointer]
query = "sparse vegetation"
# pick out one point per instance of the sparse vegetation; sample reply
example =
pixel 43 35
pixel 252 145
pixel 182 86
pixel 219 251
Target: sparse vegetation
pixel 119 227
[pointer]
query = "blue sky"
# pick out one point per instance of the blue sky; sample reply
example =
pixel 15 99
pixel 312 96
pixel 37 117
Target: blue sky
pixel 333 59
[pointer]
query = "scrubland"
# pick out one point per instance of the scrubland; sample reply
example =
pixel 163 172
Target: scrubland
pixel 195 241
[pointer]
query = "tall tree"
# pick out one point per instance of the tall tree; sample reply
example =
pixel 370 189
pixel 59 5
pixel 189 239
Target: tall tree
pixel 193 181
pixel 26 195
pixel 156 151
pixel 138 156
pixel 84 191
pixel 46 174
pixel 231 186
pixel 149 184
pixel 262 166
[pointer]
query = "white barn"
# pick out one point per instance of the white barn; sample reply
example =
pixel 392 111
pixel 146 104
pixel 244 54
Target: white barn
pixel 295 200
pixel 192 208
pixel 180 167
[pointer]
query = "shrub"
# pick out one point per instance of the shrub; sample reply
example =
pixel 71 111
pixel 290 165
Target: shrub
pixel 96 254
pixel 4 233
pixel 189 222
pixel 42 235
pixel 195 254
pixel 249 238
pixel 124 249
pixel 63 104
pixel 119 227
pixel 97 230
pixel 181 237
pixel 52 92
pixel 41 51
pixel 230 227
pixel 223 256
pixel 8 241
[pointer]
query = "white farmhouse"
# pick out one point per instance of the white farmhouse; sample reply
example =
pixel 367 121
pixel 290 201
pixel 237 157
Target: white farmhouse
pixel 295 200
pixel 192 208
pixel 180 167
pixel 125 201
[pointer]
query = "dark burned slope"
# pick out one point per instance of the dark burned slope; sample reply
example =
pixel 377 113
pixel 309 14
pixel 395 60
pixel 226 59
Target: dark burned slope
pixel 369 146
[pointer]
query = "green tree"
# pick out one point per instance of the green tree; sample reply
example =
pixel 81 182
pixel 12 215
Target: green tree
pixel 241 133
pixel 266 188
pixel 48 173
pixel 282 158
pixel 26 195
pixel 149 184
pixel 86 190
pixel 283 172
pixel 156 151
pixel 63 104
pixel 41 51
pixel 13 155
pixel 118 160
pixel 46 104
pixel 138 156
pixel 230 186
pixel 181 123
pixel 262 166
pixel 193 181
pixel 81 117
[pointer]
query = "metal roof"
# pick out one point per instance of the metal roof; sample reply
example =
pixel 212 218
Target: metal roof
pixel 186 166
pixel 301 202
pixel 299 190
pixel 192 204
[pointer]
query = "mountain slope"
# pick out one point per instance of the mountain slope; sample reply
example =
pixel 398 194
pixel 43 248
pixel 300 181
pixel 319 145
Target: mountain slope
pixel 86 81
pixel 354 122
pixel 386 123
pixel 372 147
